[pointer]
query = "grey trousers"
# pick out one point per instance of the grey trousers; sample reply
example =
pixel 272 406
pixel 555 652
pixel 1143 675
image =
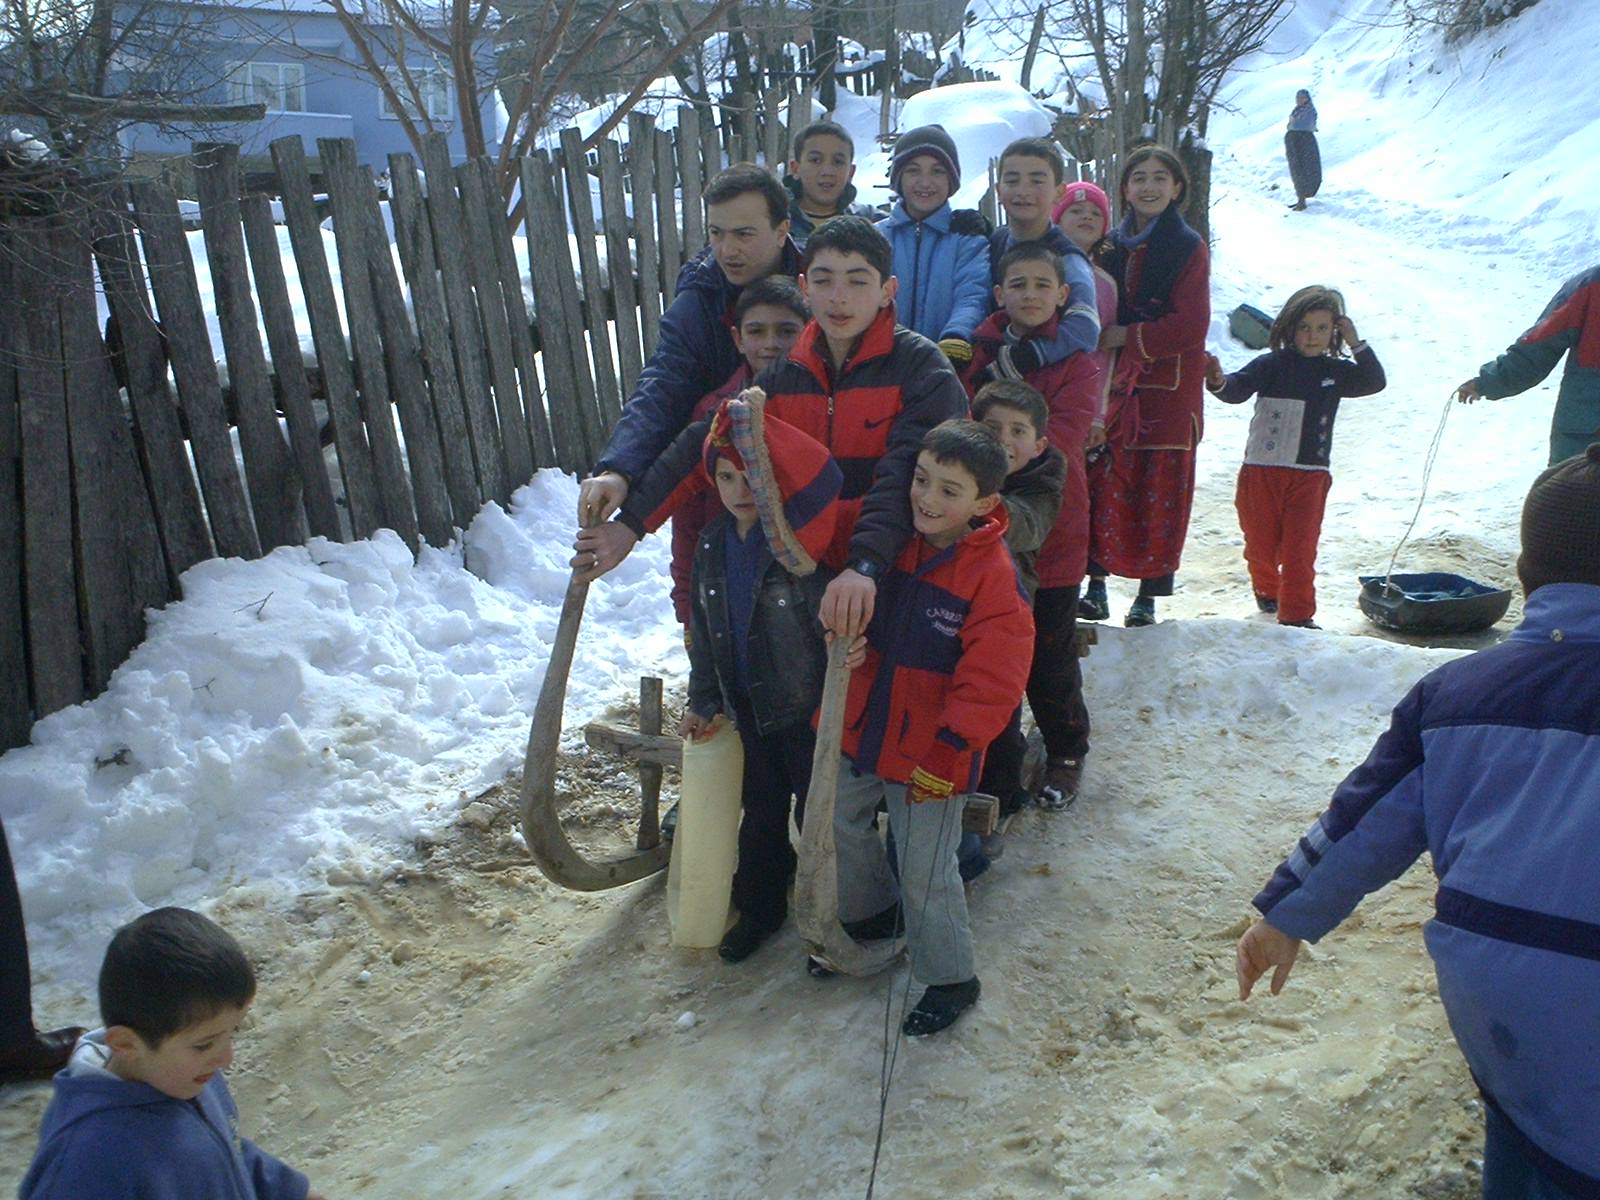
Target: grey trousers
pixel 938 937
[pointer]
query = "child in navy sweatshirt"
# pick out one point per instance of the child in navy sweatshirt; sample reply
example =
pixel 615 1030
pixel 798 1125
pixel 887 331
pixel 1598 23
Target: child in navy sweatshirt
pixel 1283 485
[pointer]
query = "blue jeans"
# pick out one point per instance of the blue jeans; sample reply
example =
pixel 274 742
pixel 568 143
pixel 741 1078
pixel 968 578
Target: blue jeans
pixel 1508 1172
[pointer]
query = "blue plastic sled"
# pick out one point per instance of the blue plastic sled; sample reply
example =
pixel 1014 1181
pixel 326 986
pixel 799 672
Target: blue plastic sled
pixel 1437 602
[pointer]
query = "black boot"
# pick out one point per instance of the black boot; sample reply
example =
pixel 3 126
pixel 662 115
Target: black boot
pixel 939 1007
pixel 746 936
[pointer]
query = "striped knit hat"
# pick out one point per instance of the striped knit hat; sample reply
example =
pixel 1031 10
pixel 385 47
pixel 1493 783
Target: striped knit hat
pixel 1561 524
pixel 794 479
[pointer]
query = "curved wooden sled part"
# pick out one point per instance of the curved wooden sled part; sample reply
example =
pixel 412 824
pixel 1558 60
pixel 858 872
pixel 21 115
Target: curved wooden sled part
pixel 816 881
pixel 541 826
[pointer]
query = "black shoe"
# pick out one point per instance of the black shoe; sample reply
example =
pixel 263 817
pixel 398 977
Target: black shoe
pixel 1093 605
pixel 1266 603
pixel 939 1007
pixel 887 924
pixel 1308 623
pixel 1141 612
pixel 669 824
pixel 746 936
pixel 40 1057
pixel 818 968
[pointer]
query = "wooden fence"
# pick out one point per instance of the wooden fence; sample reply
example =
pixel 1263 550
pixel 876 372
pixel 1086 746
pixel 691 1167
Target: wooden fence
pixel 108 496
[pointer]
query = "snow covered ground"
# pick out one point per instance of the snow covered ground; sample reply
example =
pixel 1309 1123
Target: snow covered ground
pixel 314 748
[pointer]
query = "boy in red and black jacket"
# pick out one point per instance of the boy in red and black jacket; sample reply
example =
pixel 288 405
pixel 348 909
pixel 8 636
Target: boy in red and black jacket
pixel 947 658
pixel 865 388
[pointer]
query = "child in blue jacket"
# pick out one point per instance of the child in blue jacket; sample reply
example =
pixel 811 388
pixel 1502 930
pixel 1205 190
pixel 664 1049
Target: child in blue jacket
pixel 940 256
pixel 141 1110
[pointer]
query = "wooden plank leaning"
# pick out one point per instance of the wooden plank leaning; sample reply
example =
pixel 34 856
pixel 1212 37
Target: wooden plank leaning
pixel 772 131
pixel 348 187
pixel 270 470
pixel 642 191
pixel 16 710
pixel 619 261
pixel 357 464
pixel 158 433
pixel 49 564
pixel 693 180
pixel 166 256
pixel 509 271
pixel 668 230
pixel 485 274
pixel 574 413
pixel 466 327
pixel 120 568
pixel 596 314
pixel 415 240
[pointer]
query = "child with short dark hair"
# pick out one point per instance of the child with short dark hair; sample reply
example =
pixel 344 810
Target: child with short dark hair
pixel 142 1108
pixel 1031 180
pixel 940 255
pixel 818 179
pixel 1030 293
pixel 946 660
pixel 1284 482
pixel 756 653
pixel 767 318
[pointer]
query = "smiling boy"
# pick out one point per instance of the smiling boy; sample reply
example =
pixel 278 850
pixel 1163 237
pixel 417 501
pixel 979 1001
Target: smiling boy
pixel 142 1109
pixel 946 661
pixel 865 389
pixel 819 178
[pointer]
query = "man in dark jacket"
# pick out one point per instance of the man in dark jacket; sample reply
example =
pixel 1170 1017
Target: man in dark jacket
pixel 747 222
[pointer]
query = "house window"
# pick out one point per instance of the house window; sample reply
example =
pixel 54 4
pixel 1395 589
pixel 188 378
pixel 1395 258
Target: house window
pixel 434 86
pixel 280 86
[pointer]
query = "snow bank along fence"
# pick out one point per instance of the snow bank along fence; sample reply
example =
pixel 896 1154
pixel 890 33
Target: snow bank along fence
pixel 108 496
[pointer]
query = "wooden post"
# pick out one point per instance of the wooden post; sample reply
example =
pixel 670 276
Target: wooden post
pixel 692 178
pixel 357 463
pixel 348 186
pixel 582 206
pixel 574 414
pixel 16 715
pixel 619 261
pixel 712 141
pixel 642 193
pixel 415 241
pixel 163 451
pixel 466 327
pixel 671 235
pixel 270 470
pixel 183 321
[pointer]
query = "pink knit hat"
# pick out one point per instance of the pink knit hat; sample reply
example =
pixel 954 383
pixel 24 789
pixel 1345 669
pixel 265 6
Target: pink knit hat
pixel 1079 191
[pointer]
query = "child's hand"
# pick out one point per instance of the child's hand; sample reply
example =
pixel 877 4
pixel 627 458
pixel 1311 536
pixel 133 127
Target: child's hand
pixel 694 727
pixel 1216 378
pixel 1096 438
pixel 1264 946
pixel 599 549
pixel 1468 392
pixel 933 778
pixel 856 655
pixel 847 603
pixel 1113 337
pixel 1347 330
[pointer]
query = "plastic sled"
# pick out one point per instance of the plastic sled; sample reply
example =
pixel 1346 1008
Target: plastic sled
pixel 1432 603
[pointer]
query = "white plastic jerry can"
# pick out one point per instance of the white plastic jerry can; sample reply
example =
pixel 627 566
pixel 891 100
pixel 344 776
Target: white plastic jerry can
pixel 706 844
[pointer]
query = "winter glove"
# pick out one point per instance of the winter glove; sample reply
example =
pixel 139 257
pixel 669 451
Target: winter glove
pixel 957 350
pixel 932 780
pixel 969 222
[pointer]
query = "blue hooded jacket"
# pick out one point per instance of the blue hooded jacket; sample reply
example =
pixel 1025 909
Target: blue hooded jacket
pixel 108 1138
pixel 944 276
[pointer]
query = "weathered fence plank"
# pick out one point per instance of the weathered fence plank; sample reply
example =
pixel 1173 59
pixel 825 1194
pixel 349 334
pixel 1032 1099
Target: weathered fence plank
pixel 466 326
pixel 671 235
pixel 574 413
pixel 715 140
pixel 415 240
pixel 158 434
pixel 619 258
pixel 120 572
pixel 772 132
pixel 642 190
pixel 692 180
pixel 16 717
pixel 749 131
pixel 270 471
pixel 357 464
pixel 288 366
pixel 49 564
pixel 510 275
pixel 347 184
pixel 172 278
pixel 580 200
pixel 477 217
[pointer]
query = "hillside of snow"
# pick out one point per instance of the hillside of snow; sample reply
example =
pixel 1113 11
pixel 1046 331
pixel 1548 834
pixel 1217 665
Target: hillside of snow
pixel 315 747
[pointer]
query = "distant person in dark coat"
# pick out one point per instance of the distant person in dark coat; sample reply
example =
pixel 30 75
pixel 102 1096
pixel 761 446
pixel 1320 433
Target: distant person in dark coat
pixel 25 1053
pixel 1300 147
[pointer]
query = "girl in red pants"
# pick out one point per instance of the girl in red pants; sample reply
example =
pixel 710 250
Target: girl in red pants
pixel 1284 482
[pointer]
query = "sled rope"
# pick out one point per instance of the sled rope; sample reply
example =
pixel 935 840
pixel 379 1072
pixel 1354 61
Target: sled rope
pixel 1427 473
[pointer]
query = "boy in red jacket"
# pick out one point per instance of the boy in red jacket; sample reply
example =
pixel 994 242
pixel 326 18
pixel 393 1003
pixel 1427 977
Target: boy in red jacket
pixel 946 661
pixel 1031 290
